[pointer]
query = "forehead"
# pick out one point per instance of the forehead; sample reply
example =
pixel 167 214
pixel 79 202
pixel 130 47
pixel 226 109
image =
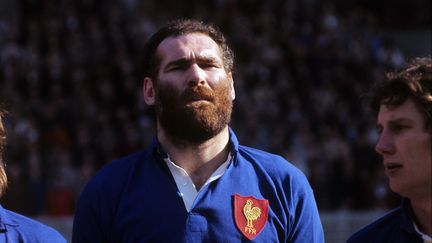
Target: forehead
pixel 188 46
pixel 407 111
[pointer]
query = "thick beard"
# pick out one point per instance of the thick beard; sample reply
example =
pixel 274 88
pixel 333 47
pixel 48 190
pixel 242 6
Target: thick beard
pixel 186 121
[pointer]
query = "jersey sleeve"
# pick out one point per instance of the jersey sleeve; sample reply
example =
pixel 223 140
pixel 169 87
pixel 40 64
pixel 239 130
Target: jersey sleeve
pixel 88 223
pixel 306 223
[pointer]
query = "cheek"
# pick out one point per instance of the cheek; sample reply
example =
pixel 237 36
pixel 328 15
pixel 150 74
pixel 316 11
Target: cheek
pixel 424 146
pixel 429 153
pixel 218 78
pixel 165 90
pixel 223 87
pixel 418 152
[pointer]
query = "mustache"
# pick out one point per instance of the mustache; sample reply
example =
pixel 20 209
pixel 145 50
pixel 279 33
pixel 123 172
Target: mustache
pixel 197 93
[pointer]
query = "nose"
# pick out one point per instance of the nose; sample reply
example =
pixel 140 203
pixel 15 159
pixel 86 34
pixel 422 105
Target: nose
pixel 196 75
pixel 385 144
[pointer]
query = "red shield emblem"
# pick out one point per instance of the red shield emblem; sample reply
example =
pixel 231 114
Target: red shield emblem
pixel 250 215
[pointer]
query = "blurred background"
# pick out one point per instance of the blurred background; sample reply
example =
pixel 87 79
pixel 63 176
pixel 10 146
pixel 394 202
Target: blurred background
pixel 71 80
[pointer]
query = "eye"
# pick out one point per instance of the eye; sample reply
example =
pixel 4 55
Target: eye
pixel 178 67
pixel 379 129
pixel 397 128
pixel 208 65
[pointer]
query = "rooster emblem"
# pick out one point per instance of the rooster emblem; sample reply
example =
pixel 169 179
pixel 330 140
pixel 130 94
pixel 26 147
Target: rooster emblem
pixel 251 213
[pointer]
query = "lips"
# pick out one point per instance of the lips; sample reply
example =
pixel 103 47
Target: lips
pixel 392 168
pixel 197 93
pixel 197 99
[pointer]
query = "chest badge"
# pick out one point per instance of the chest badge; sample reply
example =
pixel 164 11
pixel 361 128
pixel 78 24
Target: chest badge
pixel 250 215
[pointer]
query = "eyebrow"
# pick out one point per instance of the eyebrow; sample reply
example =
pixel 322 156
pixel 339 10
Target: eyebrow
pixel 186 61
pixel 395 121
pixel 400 120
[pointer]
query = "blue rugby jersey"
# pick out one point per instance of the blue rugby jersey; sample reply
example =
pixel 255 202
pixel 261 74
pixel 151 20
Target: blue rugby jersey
pixel 395 227
pixel 18 228
pixel 135 199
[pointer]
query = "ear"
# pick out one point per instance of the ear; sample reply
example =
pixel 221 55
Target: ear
pixel 149 91
pixel 231 80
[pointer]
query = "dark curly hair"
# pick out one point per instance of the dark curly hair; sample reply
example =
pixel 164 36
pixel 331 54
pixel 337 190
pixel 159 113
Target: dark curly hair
pixel 413 82
pixel 150 61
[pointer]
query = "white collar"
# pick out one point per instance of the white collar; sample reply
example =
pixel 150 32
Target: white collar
pixel 426 238
pixel 185 184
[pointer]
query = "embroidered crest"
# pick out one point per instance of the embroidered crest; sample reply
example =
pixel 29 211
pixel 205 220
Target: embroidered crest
pixel 250 215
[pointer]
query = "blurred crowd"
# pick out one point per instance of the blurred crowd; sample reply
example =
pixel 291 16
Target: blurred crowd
pixel 70 77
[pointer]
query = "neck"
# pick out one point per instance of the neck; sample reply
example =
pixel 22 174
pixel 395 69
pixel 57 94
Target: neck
pixel 422 209
pixel 198 160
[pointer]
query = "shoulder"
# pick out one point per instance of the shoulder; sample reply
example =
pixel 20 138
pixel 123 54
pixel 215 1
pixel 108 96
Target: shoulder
pixel 122 165
pixel 379 229
pixel 273 165
pixel 98 201
pixel 22 227
pixel 110 180
pixel 118 169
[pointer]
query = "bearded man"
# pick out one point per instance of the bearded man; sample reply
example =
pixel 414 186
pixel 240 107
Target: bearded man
pixel 195 183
